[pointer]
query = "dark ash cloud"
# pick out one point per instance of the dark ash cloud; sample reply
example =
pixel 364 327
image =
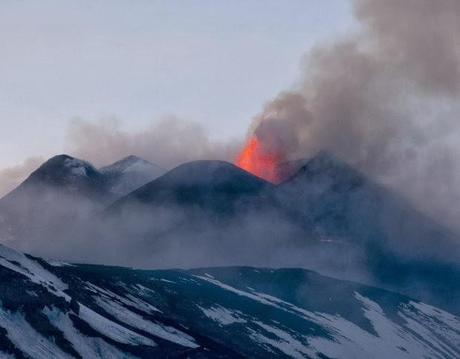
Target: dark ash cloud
pixel 385 99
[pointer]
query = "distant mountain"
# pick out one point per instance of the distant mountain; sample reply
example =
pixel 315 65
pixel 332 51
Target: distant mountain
pixel 130 173
pixel 71 176
pixel 346 205
pixel 59 310
pixel 201 213
pixel 327 216
pixel 54 197
pixel 403 248
pixel 65 174
pixel 213 186
pixel 62 195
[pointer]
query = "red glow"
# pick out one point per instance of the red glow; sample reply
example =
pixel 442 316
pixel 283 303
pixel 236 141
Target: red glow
pixel 259 161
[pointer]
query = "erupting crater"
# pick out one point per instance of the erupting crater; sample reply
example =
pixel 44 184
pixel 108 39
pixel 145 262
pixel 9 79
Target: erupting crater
pixel 259 160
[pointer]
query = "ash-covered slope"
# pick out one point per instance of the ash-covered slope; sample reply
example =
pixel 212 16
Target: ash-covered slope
pixel 130 173
pixel 50 309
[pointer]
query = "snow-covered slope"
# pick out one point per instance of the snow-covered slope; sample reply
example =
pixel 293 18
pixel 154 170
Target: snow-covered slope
pixel 57 310
pixel 129 174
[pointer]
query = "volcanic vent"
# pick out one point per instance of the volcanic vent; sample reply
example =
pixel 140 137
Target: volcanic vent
pixel 259 160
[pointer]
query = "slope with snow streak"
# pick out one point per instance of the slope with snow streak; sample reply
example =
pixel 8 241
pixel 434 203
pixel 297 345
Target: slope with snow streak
pixel 50 310
pixel 419 331
pixel 129 174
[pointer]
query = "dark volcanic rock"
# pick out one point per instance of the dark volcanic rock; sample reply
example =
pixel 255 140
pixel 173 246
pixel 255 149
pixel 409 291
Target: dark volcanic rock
pixel 214 186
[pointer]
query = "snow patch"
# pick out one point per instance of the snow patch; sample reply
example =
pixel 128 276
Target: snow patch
pixel 30 268
pixel 76 167
pixel 111 329
pixel 223 315
pixel 87 347
pixel 285 342
pixel 27 339
pixel 134 320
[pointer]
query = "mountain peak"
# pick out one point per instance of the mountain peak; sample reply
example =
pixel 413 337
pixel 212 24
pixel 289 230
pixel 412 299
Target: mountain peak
pixel 63 168
pixel 130 173
pixel 134 164
pixel 212 172
pixel 64 173
pixel 325 165
pixel 124 161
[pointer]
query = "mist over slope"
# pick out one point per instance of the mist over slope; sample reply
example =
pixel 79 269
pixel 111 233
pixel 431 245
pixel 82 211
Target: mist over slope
pixel 327 216
pixel 63 194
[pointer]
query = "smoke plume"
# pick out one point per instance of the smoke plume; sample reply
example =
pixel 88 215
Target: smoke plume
pixel 385 99
pixel 167 143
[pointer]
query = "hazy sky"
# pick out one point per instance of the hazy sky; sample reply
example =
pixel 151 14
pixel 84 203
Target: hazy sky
pixel 214 62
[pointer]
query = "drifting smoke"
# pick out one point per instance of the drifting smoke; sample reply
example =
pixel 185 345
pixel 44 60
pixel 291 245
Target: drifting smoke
pixel 11 177
pixel 385 100
pixel 166 143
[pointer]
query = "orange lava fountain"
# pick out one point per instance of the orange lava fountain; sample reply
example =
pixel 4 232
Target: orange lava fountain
pixel 259 161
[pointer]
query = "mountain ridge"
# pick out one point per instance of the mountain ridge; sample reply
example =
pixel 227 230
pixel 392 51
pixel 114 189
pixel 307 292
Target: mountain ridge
pixel 328 217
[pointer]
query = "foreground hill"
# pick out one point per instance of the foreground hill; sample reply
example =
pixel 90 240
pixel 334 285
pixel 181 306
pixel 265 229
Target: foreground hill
pixel 57 310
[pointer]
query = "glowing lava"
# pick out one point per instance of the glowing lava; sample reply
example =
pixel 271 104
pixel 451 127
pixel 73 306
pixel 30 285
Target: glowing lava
pixel 260 161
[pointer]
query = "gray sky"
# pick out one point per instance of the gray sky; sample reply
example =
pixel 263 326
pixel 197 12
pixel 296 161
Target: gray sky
pixel 214 62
